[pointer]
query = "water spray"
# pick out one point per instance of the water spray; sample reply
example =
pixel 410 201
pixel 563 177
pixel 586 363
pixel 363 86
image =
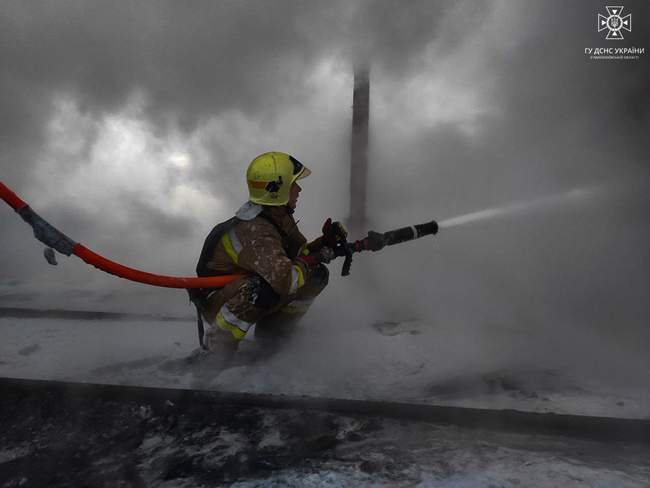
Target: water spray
pixel 518 207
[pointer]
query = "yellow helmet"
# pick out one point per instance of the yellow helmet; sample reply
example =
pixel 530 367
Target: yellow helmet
pixel 270 176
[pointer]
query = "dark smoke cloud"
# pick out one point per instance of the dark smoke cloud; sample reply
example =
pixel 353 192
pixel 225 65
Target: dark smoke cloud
pixel 562 121
pixel 192 62
pixel 187 64
pixel 555 119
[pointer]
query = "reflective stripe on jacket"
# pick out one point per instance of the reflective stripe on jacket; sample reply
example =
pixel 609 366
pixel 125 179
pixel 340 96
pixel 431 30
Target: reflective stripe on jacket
pixel 267 245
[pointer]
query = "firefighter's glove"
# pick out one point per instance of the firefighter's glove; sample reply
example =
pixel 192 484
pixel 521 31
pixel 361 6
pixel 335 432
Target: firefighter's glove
pixel 324 255
pixel 334 233
pixel 375 241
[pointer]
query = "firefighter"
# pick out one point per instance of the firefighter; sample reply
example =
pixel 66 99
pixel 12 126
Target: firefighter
pixel 282 273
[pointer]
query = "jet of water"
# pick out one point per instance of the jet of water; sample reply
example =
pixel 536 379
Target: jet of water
pixel 518 207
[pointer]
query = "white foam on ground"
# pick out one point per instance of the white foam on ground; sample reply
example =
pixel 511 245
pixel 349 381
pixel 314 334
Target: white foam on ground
pixel 408 361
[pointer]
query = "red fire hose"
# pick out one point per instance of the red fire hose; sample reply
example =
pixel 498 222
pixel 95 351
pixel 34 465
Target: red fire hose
pixel 53 238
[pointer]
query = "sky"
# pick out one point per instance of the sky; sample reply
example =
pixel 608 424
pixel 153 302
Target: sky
pixel 129 126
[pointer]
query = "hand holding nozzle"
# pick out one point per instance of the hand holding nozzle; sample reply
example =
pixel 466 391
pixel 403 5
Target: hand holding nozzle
pixel 375 241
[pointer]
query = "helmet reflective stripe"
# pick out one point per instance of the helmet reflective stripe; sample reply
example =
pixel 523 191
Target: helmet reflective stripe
pixel 297 279
pixel 232 245
pixel 227 321
pixel 270 176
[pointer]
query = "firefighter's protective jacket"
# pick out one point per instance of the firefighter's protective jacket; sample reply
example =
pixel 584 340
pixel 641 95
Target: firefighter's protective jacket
pixel 262 243
pixel 265 241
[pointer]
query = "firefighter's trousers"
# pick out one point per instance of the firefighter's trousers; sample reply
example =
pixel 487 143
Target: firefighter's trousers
pixel 234 309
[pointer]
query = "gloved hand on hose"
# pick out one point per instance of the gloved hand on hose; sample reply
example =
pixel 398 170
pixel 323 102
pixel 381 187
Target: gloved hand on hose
pixel 334 233
pixel 323 255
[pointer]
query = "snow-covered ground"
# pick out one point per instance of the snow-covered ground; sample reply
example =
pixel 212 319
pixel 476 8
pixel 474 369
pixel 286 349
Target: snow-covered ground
pixel 365 358
pixel 407 360
pixel 60 440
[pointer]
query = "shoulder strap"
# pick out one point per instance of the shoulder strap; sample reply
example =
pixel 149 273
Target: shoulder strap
pixel 210 243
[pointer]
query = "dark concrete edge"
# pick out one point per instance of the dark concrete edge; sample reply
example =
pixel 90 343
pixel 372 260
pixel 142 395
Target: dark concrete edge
pixel 599 428
pixel 38 313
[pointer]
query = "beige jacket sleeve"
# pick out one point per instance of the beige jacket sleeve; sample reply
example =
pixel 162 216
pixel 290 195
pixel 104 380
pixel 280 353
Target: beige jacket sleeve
pixel 262 253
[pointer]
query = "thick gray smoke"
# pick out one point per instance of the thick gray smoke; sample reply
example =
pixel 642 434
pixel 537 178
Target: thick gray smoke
pixel 104 95
pixel 129 126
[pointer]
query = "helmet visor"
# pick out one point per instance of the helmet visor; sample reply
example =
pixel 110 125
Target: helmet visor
pixel 299 170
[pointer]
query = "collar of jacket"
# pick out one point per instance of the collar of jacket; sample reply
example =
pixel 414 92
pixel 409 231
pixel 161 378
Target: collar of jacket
pixel 248 211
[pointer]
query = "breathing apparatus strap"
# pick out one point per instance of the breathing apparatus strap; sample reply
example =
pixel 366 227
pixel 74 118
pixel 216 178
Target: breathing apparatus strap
pixel 198 298
pixel 200 328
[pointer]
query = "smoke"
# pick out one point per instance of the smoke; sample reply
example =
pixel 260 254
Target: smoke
pixel 129 127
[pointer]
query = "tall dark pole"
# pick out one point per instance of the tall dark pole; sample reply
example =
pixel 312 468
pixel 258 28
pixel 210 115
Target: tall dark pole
pixel 359 147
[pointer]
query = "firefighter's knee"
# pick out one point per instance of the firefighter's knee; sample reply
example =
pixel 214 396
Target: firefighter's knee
pixel 317 282
pixel 321 276
pixel 261 294
pixel 302 300
pixel 251 299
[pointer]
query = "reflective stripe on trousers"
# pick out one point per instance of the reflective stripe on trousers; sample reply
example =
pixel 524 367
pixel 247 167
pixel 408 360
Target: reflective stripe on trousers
pixel 228 321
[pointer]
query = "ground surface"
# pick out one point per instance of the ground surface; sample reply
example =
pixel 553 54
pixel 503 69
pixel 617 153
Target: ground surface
pixel 61 439
pixel 60 443
pixel 384 360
